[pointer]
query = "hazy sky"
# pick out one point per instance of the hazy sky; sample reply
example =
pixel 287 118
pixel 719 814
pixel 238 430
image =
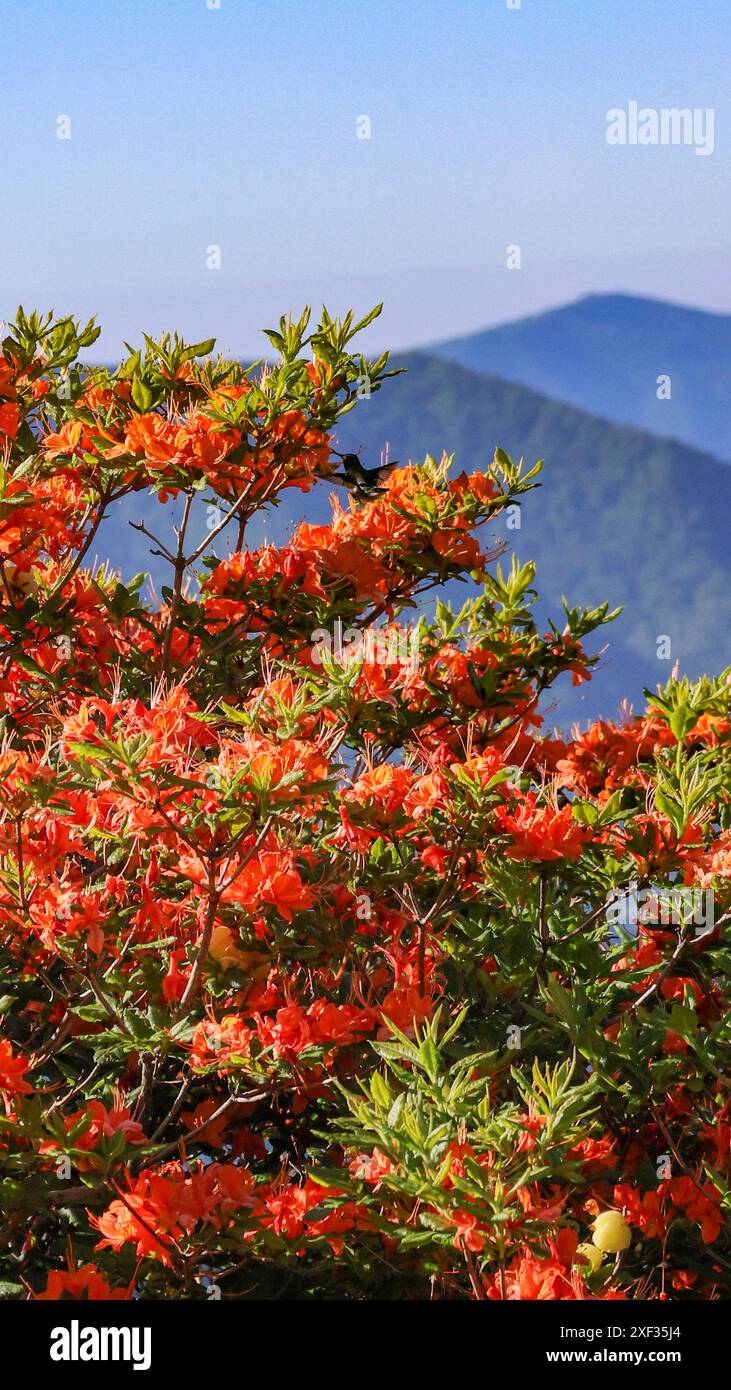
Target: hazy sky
pixel 237 127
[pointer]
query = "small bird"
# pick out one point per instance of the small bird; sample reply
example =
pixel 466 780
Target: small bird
pixel 363 483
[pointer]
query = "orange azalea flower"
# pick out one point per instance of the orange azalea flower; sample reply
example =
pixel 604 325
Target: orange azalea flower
pixel 215 1132
pixel 529 1277
pixel 162 1205
pixel 287 1207
pixel 12 1072
pixel 372 1167
pixel 467 1231
pixel 85 1284
pixel 220 1042
pixel 9 418
pixel 425 794
pixel 381 793
pixel 407 1007
pixel 541 834
pixel 66 441
pixel 101 1124
pixel 460 549
pixel 293 1029
pixel 270 880
pixel 153 436
pixel 174 981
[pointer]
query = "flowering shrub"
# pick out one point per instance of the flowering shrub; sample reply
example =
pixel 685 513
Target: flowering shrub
pixel 310 985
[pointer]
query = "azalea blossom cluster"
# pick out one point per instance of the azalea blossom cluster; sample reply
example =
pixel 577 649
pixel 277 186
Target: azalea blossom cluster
pixel 308 981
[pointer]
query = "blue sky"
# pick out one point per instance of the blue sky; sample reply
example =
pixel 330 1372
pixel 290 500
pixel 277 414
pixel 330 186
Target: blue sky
pixel 236 127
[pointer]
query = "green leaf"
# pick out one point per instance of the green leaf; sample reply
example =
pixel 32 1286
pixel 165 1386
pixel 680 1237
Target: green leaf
pixel 141 394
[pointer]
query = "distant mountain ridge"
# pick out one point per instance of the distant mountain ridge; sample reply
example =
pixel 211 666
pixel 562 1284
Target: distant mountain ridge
pixel 605 352
pixel 621 514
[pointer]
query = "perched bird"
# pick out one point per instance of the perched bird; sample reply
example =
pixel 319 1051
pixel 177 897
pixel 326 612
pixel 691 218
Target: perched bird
pixel 363 483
